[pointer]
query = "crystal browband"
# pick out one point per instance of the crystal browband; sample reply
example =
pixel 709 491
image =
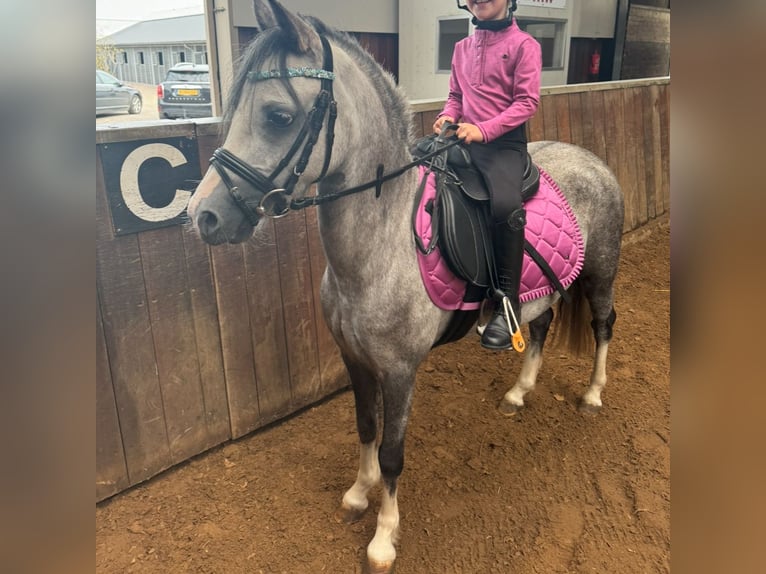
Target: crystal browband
pixel 291 73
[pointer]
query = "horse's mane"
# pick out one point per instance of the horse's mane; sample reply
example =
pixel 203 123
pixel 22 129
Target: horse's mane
pixel 392 97
pixel 275 42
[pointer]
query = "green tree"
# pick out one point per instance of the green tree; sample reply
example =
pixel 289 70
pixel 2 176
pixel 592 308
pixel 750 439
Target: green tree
pixel 106 55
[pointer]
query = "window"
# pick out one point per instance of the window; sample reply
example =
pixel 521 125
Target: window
pixel 181 56
pixel 108 79
pixel 140 57
pixel 124 57
pixel 451 31
pixel 199 55
pixel 188 75
pixel 160 60
pixel 550 35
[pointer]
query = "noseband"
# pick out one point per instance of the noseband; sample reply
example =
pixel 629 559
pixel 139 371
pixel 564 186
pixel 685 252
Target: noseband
pixel 271 199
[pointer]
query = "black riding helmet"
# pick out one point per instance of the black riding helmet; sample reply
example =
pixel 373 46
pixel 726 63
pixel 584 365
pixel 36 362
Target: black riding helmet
pixel 464 7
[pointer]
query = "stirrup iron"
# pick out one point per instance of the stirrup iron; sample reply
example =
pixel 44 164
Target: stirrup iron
pixel 517 339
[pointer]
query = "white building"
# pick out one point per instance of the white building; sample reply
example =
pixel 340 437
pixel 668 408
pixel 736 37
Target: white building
pixel 427 30
pixel 412 38
pixel 147 50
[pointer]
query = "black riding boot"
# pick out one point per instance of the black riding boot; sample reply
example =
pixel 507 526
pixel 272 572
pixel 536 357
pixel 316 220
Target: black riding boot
pixel 508 244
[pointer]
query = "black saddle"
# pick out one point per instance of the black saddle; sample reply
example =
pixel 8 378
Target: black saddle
pixel 460 213
pixel 458 161
pixel 461 219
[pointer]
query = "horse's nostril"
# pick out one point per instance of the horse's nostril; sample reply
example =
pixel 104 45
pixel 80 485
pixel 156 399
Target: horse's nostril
pixel 207 222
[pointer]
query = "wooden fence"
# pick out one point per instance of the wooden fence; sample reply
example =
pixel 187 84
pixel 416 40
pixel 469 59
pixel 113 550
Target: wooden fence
pixel 198 345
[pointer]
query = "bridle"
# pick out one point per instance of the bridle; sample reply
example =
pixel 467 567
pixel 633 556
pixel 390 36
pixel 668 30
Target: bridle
pixel 272 200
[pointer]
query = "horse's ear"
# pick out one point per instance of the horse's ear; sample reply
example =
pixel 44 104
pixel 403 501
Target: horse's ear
pixel 264 14
pixel 270 14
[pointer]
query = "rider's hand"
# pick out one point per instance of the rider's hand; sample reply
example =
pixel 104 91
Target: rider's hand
pixel 469 133
pixel 440 121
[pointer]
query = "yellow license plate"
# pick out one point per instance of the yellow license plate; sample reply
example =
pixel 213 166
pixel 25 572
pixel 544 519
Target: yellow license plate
pixel 183 92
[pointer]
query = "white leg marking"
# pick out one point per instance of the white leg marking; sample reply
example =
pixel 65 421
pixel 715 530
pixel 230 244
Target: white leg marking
pixel 527 379
pixel 381 549
pixel 367 477
pixel 592 396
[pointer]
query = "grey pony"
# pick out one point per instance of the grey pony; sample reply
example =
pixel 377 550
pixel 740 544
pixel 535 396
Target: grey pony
pixel 372 294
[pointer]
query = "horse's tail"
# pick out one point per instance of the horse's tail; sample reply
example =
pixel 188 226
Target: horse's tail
pixel 571 328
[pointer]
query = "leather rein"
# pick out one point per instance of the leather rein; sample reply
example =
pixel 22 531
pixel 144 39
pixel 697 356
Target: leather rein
pixel 274 201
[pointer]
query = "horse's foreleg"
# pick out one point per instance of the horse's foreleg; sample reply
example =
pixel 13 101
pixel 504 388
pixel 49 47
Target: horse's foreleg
pixel 365 390
pixel 513 401
pixel 397 400
pixel 602 331
pixel 355 502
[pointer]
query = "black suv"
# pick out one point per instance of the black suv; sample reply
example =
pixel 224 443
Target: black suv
pixel 185 93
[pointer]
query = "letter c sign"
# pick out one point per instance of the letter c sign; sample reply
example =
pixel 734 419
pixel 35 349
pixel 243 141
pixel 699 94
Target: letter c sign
pixel 149 182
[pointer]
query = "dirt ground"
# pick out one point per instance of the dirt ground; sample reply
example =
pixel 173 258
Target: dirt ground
pixel 549 491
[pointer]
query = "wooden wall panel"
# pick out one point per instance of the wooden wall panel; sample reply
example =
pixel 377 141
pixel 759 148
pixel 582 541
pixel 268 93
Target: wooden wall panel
pixel 576 119
pixel 199 271
pixel 616 152
pixel 196 345
pixel 635 134
pixel 129 343
pixel 561 108
pixel 665 142
pixel 207 339
pixel 267 324
pixel 588 124
pixel 548 109
pixel 175 346
pixel 111 471
pixel 601 124
pixel 236 338
pixel 653 150
pixel 298 304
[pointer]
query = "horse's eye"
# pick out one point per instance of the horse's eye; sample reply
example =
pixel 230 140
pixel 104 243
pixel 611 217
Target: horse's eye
pixel 280 119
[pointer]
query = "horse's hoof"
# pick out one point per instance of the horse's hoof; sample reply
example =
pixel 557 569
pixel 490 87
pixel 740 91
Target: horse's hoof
pixel 348 515
pixel 375 567
pixel 509 409
pixel 589 409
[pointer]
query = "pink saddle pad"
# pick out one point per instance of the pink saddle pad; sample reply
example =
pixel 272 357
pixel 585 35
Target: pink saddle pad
pixel 551 228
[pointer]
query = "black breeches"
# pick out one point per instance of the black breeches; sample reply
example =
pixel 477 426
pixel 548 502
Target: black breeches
pixel 503 171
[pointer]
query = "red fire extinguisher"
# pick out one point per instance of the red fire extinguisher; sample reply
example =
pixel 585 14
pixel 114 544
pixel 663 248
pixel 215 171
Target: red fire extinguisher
pixel 595 65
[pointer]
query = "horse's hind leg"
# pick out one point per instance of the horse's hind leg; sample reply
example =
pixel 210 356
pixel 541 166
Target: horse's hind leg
pixel 602 331
pixel 600 295
pixel 513 401
pixel 365 400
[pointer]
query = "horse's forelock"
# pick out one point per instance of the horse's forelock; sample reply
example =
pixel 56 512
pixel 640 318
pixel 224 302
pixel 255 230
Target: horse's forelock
pixel 264 46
